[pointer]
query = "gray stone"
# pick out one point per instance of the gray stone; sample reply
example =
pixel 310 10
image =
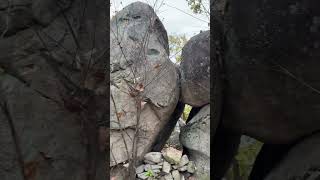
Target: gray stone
pixel 147 167
pixel 182 168
pixel 156 167
pixel 195 70
pixel 167 177
pixel 155 157
pixel 184 160
pixel 191 167
pixel 176 175
pixel 166 167
pixel 140 169
pixel 142 176
pixel 171 155
pixel 195 137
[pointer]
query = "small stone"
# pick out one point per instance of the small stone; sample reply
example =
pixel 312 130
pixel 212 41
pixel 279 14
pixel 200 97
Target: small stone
pixel 191 167
pixel 154 157
pixel 172 155
pixel 126 165
pixel 167 177
pixel 155 167
pixel 148 162
pixel 184 160
pixel 175 167
pixel 155 170
pixel 140 169
pixel 182 177
pixel 142 176
pixel 176 175
pixel 183 168
pixel 166 167
pixel 147 167
pixel 160 164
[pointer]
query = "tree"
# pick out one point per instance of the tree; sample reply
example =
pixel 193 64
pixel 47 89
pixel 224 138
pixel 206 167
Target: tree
pixel 176 43
pixel 199 6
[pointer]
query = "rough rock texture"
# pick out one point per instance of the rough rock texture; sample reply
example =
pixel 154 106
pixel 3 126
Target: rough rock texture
pixel 271 63
pixel 195 137
pixel 301 162
pixel 195 70
pixel 50 105
pixel 139 59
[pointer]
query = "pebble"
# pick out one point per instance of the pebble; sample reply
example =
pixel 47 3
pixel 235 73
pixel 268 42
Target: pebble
pixel 154 157
pixel 176 175
pixel 166 167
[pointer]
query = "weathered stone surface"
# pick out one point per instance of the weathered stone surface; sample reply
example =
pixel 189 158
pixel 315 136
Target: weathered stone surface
pixel 176 175
pixel 139 169
pixel 271 67
pixel 144 64
pixel 49 115
pixel 155 157
pixel 195 70
pixel 173 156
pixel 166 167
pixel 195 137
pixel 301 162
pixel 184 160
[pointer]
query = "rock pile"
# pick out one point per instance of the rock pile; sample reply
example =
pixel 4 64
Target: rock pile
pixel 169 164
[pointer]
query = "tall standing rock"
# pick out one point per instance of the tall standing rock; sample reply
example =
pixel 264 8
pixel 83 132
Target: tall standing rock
pixel 195 70
pixel 141 76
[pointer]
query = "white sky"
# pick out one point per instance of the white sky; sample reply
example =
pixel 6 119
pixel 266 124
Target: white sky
pixel 175 21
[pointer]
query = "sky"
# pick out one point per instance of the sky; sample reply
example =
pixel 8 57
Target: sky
pixel 175 15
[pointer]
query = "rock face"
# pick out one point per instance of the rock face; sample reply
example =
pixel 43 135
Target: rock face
pixel 50 105
pixel 195 137
pixel 272 65
pixel 301 162
pixel 195 70
pixel 141 76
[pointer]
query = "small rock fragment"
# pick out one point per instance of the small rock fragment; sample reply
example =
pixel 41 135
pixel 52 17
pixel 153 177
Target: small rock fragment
pixel 183 168
pixel 191 167
pixel 166 167
pixel 140 169
pixel 176 175
pixel 154 157
pixel 155 167
pixel 147 167
pixel 142 176
pixel 184 160
pixel 173 156
pixel 167 177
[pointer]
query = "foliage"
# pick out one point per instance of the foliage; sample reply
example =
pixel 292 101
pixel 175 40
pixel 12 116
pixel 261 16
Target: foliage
pixel 186 112
pixel 176 43
pixel 245 159
pixel 149 173
pixel 198 6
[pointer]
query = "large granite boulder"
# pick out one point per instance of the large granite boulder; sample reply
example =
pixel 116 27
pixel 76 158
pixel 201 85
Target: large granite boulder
pixel 141 76
pixel 195 70
pixel 52 98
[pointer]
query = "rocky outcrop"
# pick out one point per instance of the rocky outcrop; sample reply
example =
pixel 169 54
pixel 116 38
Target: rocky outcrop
pixel 195 70
pixel 195 137
pixel 144 82
pixel 52 90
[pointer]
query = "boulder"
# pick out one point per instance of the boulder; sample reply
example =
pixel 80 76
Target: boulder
pixel 195 137
pixel 301 162
pixel 141 76
pixel 271 67
pixel 195 70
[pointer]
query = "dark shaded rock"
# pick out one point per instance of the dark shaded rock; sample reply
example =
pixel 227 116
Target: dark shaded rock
pixel 301 162
pixel 195 70
pixel 271 64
